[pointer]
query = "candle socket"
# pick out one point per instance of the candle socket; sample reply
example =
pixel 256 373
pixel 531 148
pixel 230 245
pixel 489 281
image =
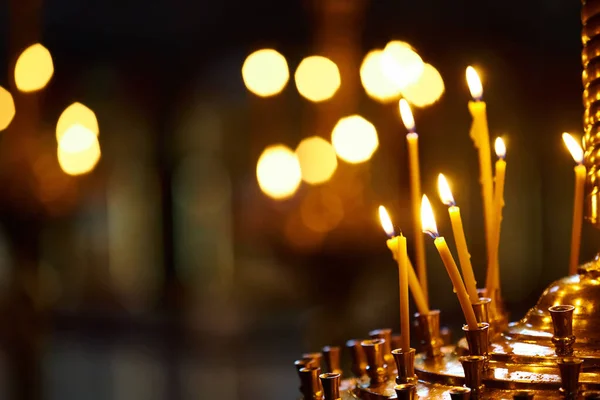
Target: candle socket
pixel 376 367
pixel 482 309
pixel 569 367
pixel 406 391
pixel 357 355
pixel 562 320
pixel 523 395
pixel 460 393
pixel 405 362
pixel 316 357
pixel 478 339
pixel 386 335
pixel 331 386
pixel 310 385
pixel 428 329
pixel 473 368
pixel 331 355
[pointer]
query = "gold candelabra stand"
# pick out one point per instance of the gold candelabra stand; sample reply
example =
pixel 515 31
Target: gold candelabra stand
pixel 553 352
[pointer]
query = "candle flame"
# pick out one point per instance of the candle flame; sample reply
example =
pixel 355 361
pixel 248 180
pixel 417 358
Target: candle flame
pixel 427 218
pixel 474 83
pixel 574 147
pixel 386 222
pixel 444 191
pixel 500 147
pixel 407 116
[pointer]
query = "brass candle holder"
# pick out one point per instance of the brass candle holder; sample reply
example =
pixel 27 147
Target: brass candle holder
pixel 386 336
pixel 358 357
pixel 428 331
pixel 562 321
pixel 569 367
pixel 473 368
pixel 331 355
pixel 460 393
pixel 331 386
pixel 478 339
pixel 406 391
pixel 376 367
pixel 405 363
pixel 310 385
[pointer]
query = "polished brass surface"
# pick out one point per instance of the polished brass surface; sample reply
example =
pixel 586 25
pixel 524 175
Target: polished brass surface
pixel 562 320
pixel 477 339
pixel 386 335
pixel 331 386
pixel 358 358
pixel 310 385
pixel 460 393
pixel 428 332
pixel 376 367
pixel 331 356
pixel 473 370
pixel 406 391
pixel 570 368
pixel 405 363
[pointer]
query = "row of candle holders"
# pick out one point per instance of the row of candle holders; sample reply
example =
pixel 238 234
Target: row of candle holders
pixel 373 360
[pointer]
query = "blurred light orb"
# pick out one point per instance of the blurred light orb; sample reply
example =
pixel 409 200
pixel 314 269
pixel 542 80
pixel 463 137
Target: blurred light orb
pixel 78 150
pixel 401 63
pixel 265 72
pixel 76 113
pixel 317 78
pixel 354 139
pixel 278 172
pixel 34 68
pixel 7 108
pixel 376 83
pixel 317 160
pixel 427 90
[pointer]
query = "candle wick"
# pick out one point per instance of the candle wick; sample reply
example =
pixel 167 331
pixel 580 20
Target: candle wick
pixel 433 234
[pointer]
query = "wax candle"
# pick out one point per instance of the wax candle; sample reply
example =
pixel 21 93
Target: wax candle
pixel 493 279
pixel 481 138
pixel 459 237
pixel 577 153
pixel 412 140
pixel 429 227
pixel 402 259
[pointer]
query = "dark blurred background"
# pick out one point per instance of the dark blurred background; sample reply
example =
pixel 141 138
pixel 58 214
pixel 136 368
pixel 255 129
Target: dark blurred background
pixel 166 273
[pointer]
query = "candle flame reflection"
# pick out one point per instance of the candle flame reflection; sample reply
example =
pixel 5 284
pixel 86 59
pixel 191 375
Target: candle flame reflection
pixel 444 191
pixel 407 116
pixel 427 218
pixel 474 83
pixel 500 147
pixel 386 222
pixel 574 147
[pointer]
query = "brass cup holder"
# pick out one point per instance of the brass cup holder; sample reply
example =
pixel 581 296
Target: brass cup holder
pixel 310 385
pixel 478 339
pixel 405 362
pixel 406 391
pixel 331 356
pixel 376 367
pixel 473 367
pixel 386 335
pixel 358 365
pixel 428 329
pixel 569 367
pixel 460 393
pixel 331 385
pixel 562 321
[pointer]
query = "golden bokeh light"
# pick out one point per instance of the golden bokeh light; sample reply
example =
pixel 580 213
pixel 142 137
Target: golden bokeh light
pixel 78 150
pixel 317 158
pixel 354 139
pixel 34 68
pixel 427 89
pixel 317 78
pixel 401 63
pixel 278 172
pixel 76 113
pixel 574 147
pixel 474 83
pixel 427 218
pixel 444 191
pixel 500 147
pixel 7 108
pixel 376 83
pixel 265 72
pixel 386 221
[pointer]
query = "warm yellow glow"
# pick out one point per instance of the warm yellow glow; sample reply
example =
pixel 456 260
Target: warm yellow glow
pixel 34 68
pixel 386 222
pixel 444 191
pixel 574 147
pixel 265 72
pixel 7 108
pixel 78 150
pixel 317 160
pixel 376 83
pixel 500 147
pixel 401 63
pixel 317 78
pixel 427 89
pixel 278 172
pixel 76 113
pixel 427 218
pixel 354 139
pixel 407 116
pixel 474 83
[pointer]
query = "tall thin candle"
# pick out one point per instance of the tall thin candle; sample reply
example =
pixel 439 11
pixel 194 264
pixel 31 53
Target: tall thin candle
pixel 493 279
pixel 412 140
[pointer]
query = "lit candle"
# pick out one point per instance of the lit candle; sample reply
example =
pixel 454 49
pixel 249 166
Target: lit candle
pixel 481 138
pixel 429 227
pixel 459 237
pixel 399 242
pixel 577 153
pixel 493 279
pixel 412 139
